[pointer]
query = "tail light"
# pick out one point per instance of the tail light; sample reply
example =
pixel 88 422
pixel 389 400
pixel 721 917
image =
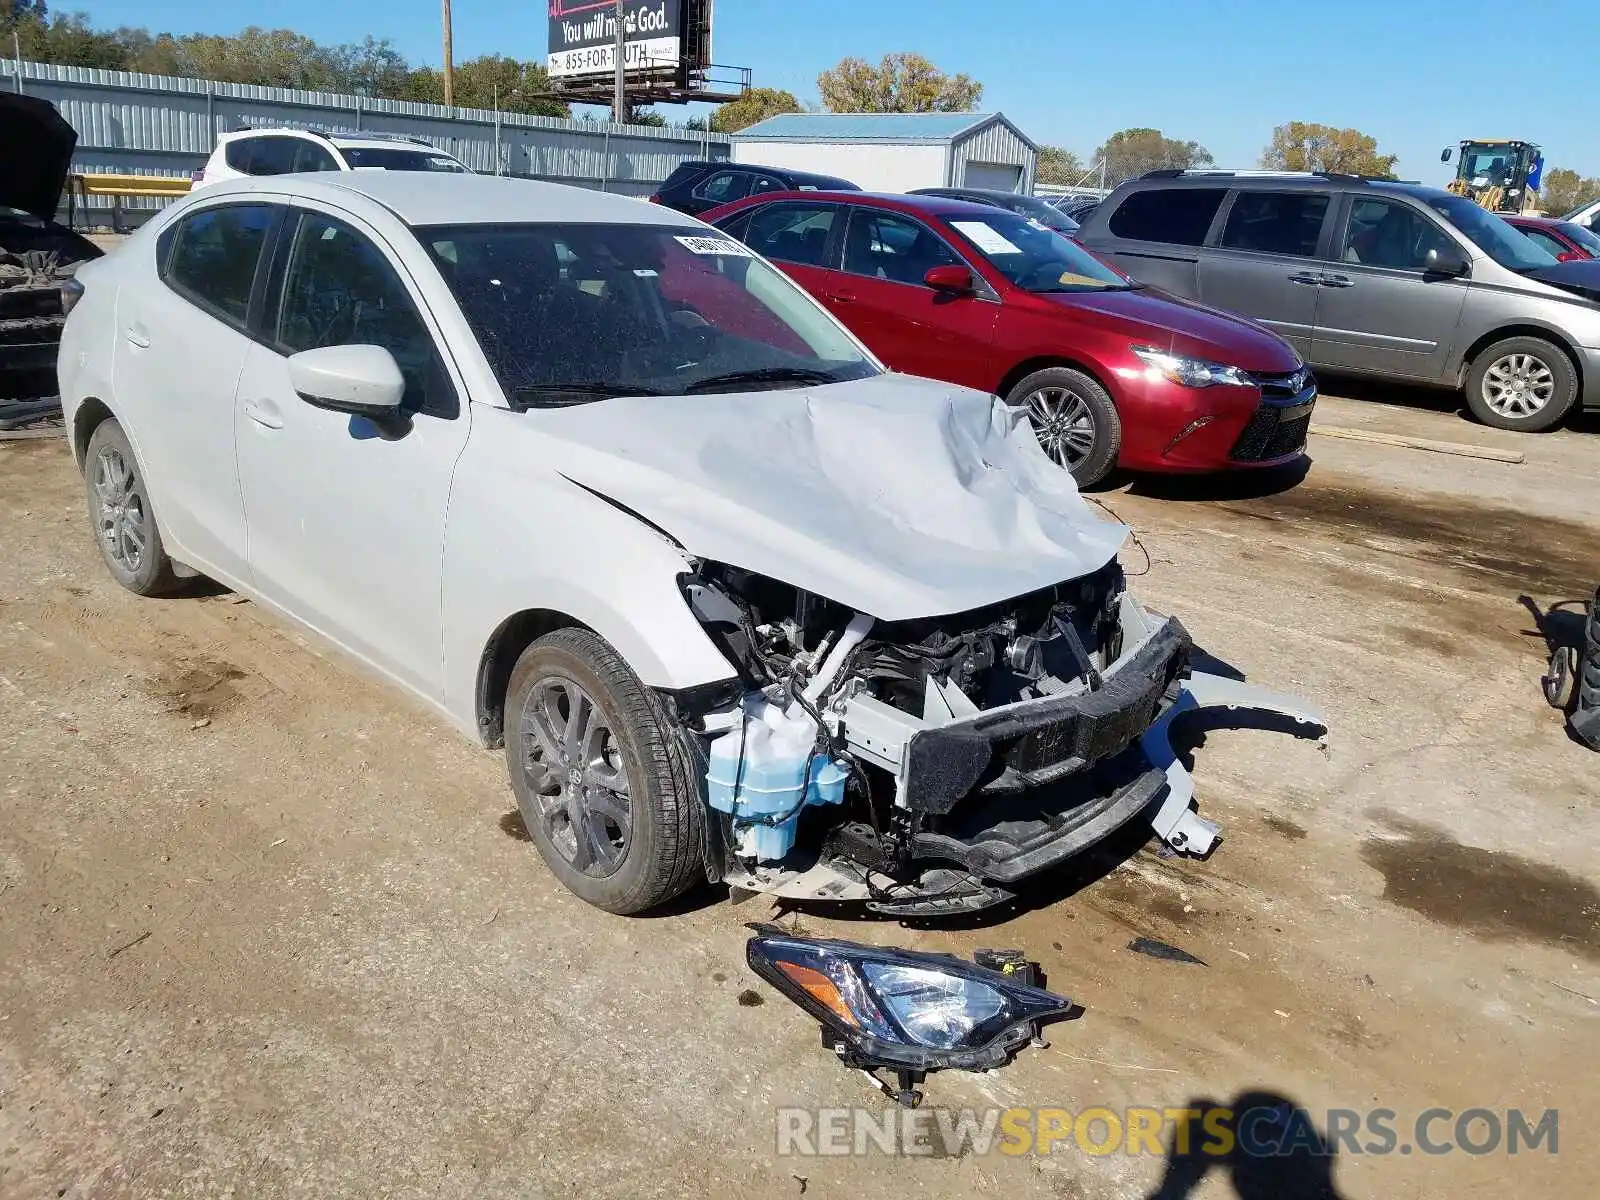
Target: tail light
pixel 71 293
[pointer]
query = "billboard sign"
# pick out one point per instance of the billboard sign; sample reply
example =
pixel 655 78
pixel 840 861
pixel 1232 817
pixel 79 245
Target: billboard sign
pixel 583 37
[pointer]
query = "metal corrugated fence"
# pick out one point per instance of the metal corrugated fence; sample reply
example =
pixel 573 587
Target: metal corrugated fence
pixel 135 124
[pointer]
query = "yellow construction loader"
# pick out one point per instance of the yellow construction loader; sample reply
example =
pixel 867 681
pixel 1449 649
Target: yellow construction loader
pixel 1502 176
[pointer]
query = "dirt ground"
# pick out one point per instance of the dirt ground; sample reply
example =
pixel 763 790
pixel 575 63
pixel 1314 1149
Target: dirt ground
pixel 268 930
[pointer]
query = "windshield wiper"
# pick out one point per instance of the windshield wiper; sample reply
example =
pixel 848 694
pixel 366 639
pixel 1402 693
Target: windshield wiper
pixel 563 395
pixel 762 375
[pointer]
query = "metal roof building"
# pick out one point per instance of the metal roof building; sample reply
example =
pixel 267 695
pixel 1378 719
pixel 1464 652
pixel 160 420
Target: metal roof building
pixel 895 152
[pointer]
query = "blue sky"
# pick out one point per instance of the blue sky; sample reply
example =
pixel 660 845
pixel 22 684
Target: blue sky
pixel 1417 75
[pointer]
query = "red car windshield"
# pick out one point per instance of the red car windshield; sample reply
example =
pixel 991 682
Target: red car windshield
pixel 1035 258
pixel 1585 238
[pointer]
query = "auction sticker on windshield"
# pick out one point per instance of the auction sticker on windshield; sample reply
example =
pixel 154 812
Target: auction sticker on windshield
pixel 984 237
pixel 713 245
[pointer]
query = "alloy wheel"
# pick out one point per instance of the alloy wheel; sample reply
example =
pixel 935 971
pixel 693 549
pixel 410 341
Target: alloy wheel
pixel 578 775
pixel 123 517
pixel 1063 423
pixel 1518 385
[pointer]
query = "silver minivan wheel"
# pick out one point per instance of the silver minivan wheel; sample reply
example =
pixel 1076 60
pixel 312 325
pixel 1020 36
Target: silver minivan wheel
pixel 1518 385
pixel 1522 383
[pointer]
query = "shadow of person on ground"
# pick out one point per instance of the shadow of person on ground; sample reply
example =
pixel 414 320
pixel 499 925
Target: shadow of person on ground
pixel 1267 1146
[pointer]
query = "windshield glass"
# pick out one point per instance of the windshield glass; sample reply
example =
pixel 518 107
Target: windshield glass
pixel 1043 212
pixel 568 314
pixel 1506 245
pixel 1033 257
pixel 395 158
pixel 1583 237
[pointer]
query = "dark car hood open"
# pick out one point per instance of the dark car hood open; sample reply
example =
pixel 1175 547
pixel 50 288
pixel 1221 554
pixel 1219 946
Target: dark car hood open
pixel 1581 278
pixel 36 146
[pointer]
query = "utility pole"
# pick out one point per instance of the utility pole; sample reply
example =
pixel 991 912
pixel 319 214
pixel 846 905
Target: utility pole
pixel 449 60
pixel 619 107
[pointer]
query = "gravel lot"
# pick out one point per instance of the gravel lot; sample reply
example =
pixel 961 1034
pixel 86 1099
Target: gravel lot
pixel 266 929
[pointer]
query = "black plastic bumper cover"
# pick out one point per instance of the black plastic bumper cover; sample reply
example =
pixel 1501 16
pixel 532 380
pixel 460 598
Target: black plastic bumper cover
pixel 1047 740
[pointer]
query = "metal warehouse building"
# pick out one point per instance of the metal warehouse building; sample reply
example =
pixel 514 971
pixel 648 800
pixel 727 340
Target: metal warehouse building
pixel 895 152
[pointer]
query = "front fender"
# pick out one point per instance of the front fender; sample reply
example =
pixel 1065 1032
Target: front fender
pixel 515 544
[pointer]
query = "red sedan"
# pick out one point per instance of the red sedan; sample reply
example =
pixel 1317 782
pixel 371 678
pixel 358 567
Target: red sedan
pixel 1110 372
pixel 1567 240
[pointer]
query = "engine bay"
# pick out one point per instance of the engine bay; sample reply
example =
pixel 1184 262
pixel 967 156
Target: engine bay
pixel 922 765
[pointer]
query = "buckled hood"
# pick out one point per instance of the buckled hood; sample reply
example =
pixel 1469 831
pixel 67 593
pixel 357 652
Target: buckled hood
pixel 36 145
pixel 897 496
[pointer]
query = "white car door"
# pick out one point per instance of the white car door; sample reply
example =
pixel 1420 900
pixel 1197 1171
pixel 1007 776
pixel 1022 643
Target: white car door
pixel 180 347
pixel 345 521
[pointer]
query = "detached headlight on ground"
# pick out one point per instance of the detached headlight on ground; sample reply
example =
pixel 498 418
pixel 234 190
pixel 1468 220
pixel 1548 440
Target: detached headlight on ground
pixel 1190 372
pixel 883 1008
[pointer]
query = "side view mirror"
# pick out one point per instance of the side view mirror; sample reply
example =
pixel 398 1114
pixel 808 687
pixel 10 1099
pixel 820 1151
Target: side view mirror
pixel 1446 261
pixel 364 381
pixel 950 279
pixel 1445 154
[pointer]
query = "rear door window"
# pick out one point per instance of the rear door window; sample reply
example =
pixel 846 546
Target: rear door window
pixel 238 153
pixel 273 155
pixel 308 156
pixel 1276 222
pixel 214 258
pixel 793 233
pixel 1179 216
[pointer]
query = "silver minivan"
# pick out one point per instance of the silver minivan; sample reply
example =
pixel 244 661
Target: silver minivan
pixel 1374 278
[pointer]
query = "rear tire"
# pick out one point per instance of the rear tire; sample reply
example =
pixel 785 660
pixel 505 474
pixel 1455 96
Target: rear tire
pixel 1075 420
pixel 122 517
pixel 1522 383
pixel 602 778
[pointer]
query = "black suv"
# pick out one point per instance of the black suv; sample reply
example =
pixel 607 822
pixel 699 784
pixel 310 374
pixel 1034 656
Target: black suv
pixel 697 187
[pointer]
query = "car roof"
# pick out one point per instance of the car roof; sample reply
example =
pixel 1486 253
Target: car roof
pixel 424 198
pixel 1277 181
pixel 938 206
pixel 956 193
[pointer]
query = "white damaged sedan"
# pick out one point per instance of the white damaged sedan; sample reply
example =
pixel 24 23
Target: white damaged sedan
pixel 595 483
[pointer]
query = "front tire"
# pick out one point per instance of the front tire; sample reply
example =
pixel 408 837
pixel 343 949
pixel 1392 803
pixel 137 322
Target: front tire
pixel 603 780
pixel 1074 419
pixel 1522 383
pixel 123 519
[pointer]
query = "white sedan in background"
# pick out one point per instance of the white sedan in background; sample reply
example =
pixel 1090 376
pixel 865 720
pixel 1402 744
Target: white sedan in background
pixel 593 481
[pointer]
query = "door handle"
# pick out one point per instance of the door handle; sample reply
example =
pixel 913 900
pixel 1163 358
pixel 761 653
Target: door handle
pixel 137 336
pixel 1338 281
pixel 264 413
pixel 1305 277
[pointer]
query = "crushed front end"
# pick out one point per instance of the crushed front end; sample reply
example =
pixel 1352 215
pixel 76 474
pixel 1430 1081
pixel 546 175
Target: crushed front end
pixel 925 767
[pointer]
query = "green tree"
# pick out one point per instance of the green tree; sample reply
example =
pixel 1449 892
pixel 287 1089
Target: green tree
pixel 1059 166
pixel 1130 153
pixel 68 40
pixel 1304 146
pixel 755 105
pixel 1564 190
pixel 901 83
pixel 479 80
